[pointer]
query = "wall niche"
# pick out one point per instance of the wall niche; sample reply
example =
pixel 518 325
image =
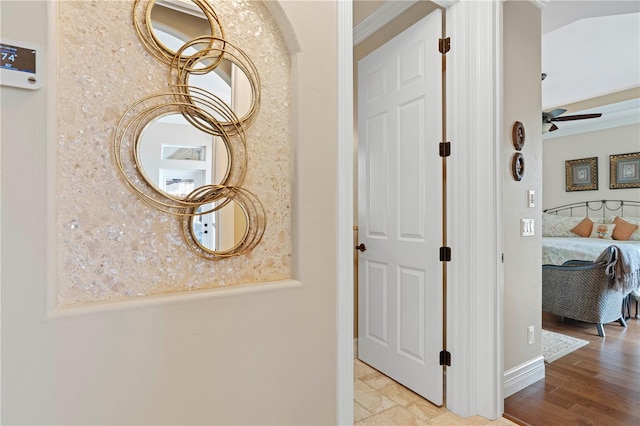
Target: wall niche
pixel 111 245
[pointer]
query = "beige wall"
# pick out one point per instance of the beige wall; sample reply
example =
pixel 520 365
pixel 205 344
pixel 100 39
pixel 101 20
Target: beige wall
pixel 522 255
pixel 600 144
pixel 250 356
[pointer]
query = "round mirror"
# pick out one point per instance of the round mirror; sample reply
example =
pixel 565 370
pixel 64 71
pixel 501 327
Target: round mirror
pixel 222 230
pixel 189 142
pixel 176 158
pixel 229 83
pixel 211 71
pixel 170 23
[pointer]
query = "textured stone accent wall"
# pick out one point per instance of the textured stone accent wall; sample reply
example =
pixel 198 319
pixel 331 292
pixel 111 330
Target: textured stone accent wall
pixel 111 246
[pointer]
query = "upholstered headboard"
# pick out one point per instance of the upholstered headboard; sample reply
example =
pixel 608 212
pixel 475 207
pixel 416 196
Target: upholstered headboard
pixel 598 208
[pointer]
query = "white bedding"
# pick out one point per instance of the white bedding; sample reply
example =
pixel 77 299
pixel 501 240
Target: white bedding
pixel 557 250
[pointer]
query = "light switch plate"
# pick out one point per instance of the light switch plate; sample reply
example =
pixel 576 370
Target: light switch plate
pixel 526 227
pixel 531 198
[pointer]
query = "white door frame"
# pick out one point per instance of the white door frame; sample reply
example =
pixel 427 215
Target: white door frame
pixel 475 288
pixel 344 190
pixel 475 276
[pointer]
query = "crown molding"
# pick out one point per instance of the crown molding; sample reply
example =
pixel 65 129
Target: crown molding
pixel 540 4
pixel 387 13
pixel 378 19
pixel 445 3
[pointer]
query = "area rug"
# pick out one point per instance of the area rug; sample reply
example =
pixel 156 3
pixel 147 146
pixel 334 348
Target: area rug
pixel 556 345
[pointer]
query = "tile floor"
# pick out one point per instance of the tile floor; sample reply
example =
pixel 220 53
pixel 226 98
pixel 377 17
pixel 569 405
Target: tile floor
pixel 378 400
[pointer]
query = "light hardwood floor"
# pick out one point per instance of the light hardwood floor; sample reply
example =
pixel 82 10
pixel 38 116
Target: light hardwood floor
pixel 598 384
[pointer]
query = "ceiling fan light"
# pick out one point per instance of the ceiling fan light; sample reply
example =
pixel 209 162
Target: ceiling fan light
pixel 546 127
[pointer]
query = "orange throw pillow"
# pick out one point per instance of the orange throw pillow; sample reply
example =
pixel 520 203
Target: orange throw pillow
pixel 584 228
pixel 623 229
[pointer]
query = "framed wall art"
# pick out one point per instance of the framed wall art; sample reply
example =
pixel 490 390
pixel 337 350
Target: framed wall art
pixel 624 170
pixel 582 174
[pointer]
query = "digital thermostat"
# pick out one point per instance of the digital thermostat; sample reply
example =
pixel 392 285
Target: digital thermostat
pixel 21 64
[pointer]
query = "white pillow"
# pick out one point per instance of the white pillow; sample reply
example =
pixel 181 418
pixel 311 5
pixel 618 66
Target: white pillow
pixel 554 225
pixel 604 231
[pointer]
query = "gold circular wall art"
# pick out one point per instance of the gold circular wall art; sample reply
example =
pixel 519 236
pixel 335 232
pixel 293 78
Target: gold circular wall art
pixel 206 112
pixel 143 23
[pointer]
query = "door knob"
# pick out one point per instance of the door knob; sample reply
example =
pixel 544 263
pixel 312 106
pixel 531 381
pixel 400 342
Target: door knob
pixel 361 247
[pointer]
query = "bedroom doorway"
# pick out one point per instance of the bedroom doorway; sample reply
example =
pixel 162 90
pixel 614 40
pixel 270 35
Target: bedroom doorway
pixel 400 214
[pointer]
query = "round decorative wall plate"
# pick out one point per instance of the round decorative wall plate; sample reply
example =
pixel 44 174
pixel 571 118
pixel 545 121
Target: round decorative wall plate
pixel 517 166
pixel 517 135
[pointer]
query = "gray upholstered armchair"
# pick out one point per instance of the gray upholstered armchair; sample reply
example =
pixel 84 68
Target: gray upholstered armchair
pixel 580 290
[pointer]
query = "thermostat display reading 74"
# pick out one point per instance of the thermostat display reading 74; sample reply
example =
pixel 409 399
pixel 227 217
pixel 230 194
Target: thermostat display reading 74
pixel 18 58
pixel 20 64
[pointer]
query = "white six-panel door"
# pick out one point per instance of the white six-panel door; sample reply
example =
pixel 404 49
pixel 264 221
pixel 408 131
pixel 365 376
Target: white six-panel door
pixel 400 208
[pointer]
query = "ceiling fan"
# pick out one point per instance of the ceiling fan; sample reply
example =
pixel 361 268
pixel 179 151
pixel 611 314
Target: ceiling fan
pixel 548 118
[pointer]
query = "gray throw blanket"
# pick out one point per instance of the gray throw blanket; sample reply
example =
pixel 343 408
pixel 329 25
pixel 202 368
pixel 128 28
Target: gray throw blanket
pixel 623 267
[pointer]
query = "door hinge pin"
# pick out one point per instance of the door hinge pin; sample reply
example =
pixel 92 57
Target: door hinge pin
pixel 445 358
pixel 444 45
pixel 445 149
pixel 445 254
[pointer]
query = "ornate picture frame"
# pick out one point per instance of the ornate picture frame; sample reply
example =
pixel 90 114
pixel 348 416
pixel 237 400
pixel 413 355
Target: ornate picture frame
pixel 624 171
pixel 582 174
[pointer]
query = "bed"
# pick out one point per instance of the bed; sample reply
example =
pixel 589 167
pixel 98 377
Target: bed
pixel 584 231
pixel 560 244
pixel 557 250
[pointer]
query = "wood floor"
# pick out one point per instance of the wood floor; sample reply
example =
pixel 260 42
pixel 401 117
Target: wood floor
pixel 598 384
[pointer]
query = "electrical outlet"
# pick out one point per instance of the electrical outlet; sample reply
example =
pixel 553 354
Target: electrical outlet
pixel 530 334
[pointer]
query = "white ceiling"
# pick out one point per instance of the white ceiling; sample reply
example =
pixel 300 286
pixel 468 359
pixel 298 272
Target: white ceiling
pixel 589 49
pixel 558 13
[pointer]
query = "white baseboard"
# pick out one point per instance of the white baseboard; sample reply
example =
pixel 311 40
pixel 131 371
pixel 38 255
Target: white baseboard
pixel 355 348
pixel 523 375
